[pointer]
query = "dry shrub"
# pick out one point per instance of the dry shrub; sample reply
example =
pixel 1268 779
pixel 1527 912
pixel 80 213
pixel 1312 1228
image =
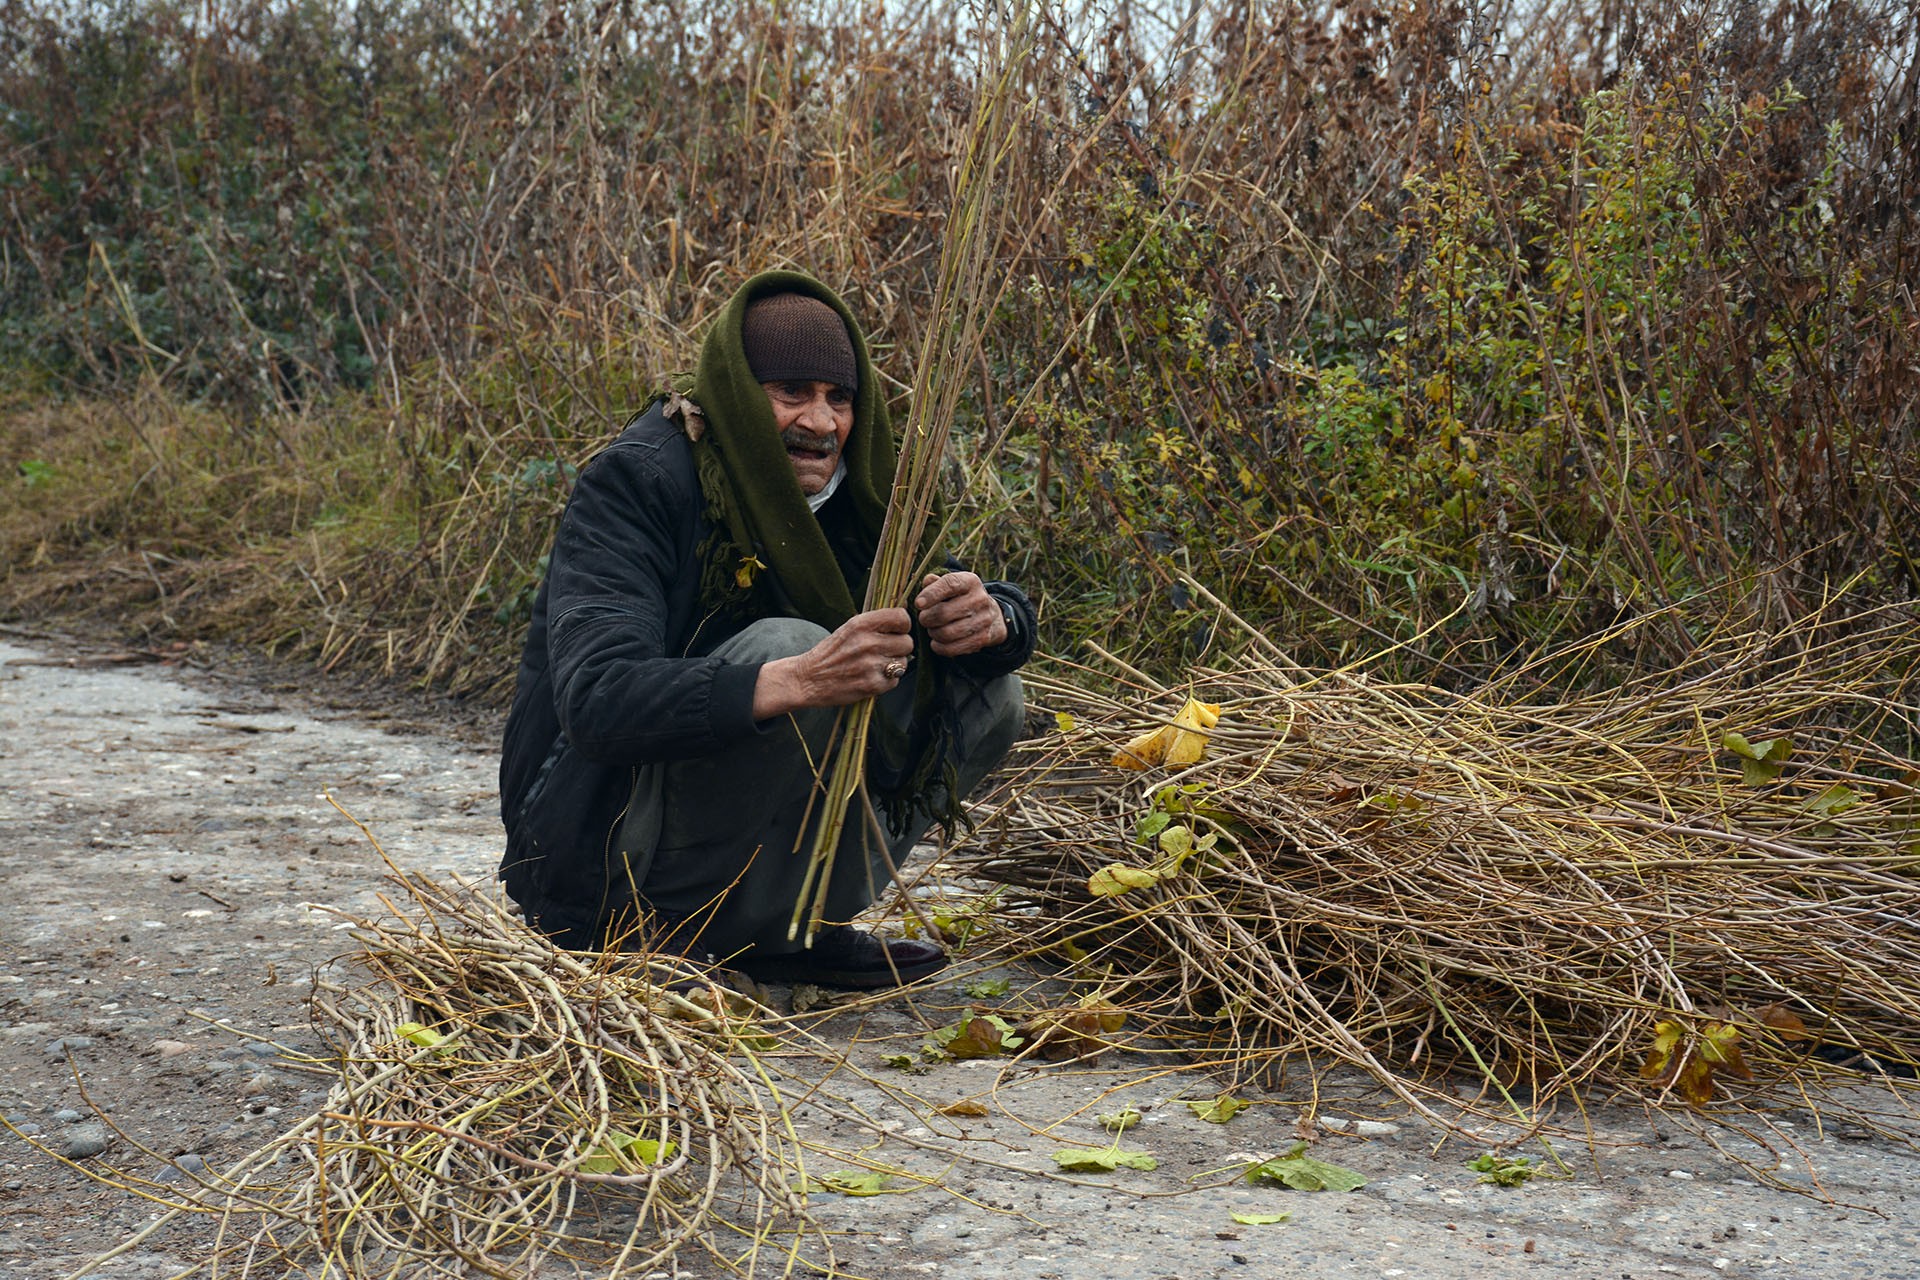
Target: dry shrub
pixel 1569 310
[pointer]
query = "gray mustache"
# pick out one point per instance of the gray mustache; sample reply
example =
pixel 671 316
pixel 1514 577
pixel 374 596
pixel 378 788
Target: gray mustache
pixel 802 441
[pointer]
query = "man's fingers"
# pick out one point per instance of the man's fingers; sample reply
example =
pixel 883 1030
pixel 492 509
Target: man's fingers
pixel 944 587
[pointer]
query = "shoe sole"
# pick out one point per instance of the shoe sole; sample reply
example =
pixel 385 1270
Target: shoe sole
pixel 795 969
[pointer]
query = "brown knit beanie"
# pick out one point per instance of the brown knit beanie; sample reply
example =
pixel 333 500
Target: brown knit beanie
pixel 789 337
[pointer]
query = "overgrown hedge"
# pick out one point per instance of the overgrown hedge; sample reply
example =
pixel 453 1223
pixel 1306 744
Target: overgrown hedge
pixel 1422 323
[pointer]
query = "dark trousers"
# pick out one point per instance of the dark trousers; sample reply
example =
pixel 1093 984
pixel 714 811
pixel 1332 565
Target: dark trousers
pixel 734 831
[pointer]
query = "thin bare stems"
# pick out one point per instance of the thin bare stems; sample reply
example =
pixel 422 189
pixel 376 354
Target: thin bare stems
pixel 1697 889
pixel 961 308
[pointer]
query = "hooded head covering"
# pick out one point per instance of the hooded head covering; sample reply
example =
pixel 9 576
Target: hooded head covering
pixel 760 502
pixel 769 555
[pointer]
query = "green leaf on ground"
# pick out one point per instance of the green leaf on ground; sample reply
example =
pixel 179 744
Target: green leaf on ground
pixel 1761 761
pixel 1119 1121
pixel 1151 825
pixel 986 988
pixel 1503 1171
pixel 905 1062
pixel 626 1151
pixel 1304 1173
pixel 1261 1219
pixel 1834 801
pixel 846 1182
pixel 1102 1159
pixel 1220 1110
pixel 424 1036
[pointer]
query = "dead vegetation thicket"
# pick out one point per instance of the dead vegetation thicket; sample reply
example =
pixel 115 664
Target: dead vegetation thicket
pixel 1355 312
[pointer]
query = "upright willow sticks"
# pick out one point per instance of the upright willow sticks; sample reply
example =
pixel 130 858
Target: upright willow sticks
pixel 962 303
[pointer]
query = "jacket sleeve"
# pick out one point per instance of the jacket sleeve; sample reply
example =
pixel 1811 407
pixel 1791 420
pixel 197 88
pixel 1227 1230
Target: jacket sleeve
pixel 621 563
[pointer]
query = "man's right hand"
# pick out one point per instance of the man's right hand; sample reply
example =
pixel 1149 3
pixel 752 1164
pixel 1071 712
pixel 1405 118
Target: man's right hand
pixel 868 655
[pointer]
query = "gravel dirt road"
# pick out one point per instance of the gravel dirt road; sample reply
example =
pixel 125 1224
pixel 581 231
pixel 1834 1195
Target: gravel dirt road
pixel 167 840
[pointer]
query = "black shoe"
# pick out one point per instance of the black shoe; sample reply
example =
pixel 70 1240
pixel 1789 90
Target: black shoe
pixel 842 956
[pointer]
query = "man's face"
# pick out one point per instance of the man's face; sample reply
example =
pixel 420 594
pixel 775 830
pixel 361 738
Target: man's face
pixel 814 419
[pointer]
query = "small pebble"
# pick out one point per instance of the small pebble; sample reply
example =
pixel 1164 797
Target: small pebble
pixel 1358 1128
pixel 84 1140
pixel 60 1048
pixel 183 1167
pixel 67 1115
pixel 1681 1174
pixel 171 1048
pixel 262 1049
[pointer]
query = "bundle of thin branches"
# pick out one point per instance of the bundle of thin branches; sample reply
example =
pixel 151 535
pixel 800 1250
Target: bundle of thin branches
pixel 499 1102
pixel 963 301
pixel 1699 887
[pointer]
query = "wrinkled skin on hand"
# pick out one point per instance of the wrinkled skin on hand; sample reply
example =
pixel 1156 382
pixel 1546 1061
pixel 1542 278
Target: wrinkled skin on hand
pixel 959 615
pixel 850 665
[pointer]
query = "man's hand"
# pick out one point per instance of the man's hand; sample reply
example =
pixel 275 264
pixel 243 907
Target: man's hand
pixel 867 656
pixel 959 615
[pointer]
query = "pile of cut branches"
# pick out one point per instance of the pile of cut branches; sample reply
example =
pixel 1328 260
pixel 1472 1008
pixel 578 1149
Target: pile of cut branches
pixel 1698 888
pixel 499 1102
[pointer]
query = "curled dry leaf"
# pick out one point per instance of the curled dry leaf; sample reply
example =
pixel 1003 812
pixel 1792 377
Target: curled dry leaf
pixel 1074 1033
pixel 1219 1110
pixel 1692 1065
pixel 1182 743
pixel 1783 1022
pixel 978 1035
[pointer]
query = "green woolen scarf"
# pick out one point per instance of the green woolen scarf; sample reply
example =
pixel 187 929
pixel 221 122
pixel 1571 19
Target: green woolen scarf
pixel 762 505
pixel 768 556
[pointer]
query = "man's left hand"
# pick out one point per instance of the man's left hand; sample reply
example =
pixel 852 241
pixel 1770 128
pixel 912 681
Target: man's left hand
pixel 959 615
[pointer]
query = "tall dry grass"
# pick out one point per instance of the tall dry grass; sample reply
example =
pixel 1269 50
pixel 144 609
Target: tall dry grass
pixel 1509 321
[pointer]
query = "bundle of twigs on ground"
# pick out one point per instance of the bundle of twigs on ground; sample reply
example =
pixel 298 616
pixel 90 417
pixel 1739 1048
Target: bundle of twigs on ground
pixel 1699 887
pixel 500 1102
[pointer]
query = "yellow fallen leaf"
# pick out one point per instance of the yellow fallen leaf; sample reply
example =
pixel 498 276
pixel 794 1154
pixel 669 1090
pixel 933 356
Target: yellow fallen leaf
pixel 1116 878
pixel 1181 743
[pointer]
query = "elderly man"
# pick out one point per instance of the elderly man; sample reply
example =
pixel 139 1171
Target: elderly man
pixel 698 630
